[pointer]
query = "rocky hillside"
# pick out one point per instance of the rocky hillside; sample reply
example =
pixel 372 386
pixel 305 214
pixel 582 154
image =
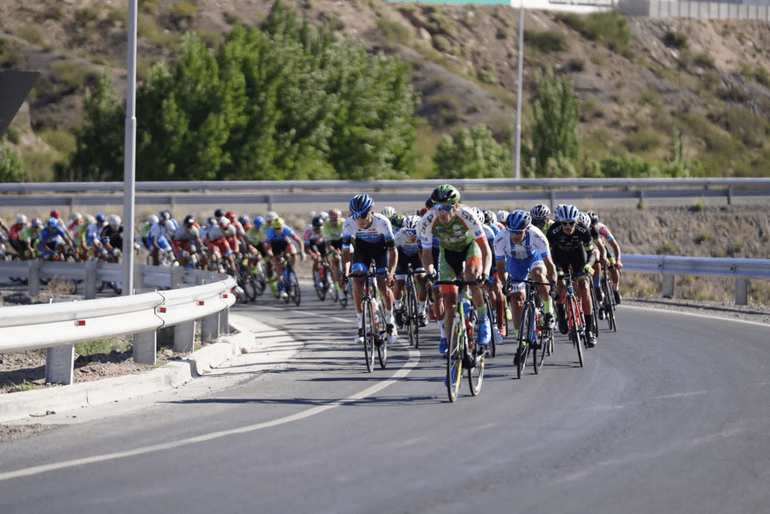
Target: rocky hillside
pixel 638 80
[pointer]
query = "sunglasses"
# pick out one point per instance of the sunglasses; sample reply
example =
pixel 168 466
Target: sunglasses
pixel 538 222
pixel 445 208
pixel 516 232
pixel 568 223
pixel 410 232
pixel 361 215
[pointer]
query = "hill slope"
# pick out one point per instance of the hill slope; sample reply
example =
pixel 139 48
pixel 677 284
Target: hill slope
pixel 638 84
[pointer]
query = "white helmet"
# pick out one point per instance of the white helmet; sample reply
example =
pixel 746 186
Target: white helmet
pixel 76 216
pixel 21 219
pixel 585 219
pixel 153 219
pixel 90 219
pixel 270 216
pixel 411 222
pixel 115 221
pixel 502 215
pixel 388 212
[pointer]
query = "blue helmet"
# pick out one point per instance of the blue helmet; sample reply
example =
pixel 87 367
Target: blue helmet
pixel 53 223
pixel 361 204
pixel 567 212
pixel 259 222
pixel 518 220
pixel 101 218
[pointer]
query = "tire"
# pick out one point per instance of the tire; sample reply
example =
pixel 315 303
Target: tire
pixel 320 291
pixel 594 311
pixel 260 280
pixel 476 373
pixel 609 305
pixel 370 330
pixel 492 326
pixel 577 339
pixel 248 284
pixel 454 361
pixel 538 355
pixel 296 293
pixel 524 329
pixel 411 312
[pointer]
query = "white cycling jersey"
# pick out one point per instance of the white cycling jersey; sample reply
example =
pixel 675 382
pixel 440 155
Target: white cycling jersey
pixel 379 230
pixel 534 240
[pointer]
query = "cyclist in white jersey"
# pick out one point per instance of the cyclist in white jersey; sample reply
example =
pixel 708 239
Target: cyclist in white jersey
pixel 372 237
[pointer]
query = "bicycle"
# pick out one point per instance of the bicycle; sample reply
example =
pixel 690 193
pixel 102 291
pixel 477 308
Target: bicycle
pixel 608 305
pixel 411 318
pixel 374 315
pixel 322 277
pixel 533 336
pixel 290 282
pixel 463 350
pixel 574 316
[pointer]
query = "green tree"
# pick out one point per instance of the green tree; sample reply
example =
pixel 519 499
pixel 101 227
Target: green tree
pixel 11 168
pixel 555 131
pixel 474 154
pixel 99 144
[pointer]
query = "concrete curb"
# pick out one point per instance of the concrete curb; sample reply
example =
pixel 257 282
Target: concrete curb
pixel 38 402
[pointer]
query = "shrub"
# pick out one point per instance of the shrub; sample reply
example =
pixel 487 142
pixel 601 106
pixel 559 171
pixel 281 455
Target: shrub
pixel 11 169
pixel 644 140
pixel 675 39
pixel 548 41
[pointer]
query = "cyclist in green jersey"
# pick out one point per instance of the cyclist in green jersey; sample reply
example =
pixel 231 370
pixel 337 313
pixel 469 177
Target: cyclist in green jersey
pixel 462 241
pixel 332 230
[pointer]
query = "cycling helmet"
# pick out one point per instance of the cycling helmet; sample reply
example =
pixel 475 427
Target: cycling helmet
pixel 318 221
pixel 277 223
pixel 411 222
pixel 502 216
pixel 518 220
pixel 397 221
pixel 53 222
pixel 89 219
pixel 489 217
pixel 76 216
pixel 388 212
pixel 152 220
pixel 479 214
pixel 259 222
pixel 189 220
pixel 223 222
pixel 114 221
pixel 211 221
pixel 540 212
pixel 231 216
pixel 243 220
pixel 334 215
pixel 361 204
pixel 445 194
pixel 37 222
pixel 270 216
pixel 594 217
pixel 55 213
pixel 101 218
pixel 585 219
pixel 429 202
pixel 219 213
pixel 164 215
pixel 566 212
pixel 21 219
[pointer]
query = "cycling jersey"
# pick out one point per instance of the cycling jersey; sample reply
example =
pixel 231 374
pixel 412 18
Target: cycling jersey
pixel 333 232
pixel 521 258
pixel 456 235
pixel 371 243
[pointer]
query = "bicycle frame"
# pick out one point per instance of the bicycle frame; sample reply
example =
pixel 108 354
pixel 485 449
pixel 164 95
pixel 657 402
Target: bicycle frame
pixel 574 315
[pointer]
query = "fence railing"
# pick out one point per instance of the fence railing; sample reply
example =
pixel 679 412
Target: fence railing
pixel 58 327
pixel 670 266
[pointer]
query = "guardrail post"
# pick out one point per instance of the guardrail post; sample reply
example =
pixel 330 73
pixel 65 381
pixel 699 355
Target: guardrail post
pixel 34 277
pixel 210 328
pixel 741 291
pixel 145 347
pixel 60 364
pixel 667 287
pixel 224 321
pixel 729 196
pixel 184 337
pixel 90 283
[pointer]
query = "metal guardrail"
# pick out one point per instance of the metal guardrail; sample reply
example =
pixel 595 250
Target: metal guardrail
pixel 670 266
pixel 269 193
pixel 57 327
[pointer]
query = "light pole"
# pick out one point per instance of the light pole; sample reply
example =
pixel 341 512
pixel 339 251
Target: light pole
pixel 129 154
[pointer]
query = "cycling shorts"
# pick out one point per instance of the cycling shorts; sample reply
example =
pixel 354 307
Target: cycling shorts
pixel 366 253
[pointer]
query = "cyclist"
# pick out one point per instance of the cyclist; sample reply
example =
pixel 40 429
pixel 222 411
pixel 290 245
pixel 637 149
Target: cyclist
pixel 461 240
pixel 409 249
pixel 522 251
pixel 541 217
pixel 111 237
pixel 333 236
pixel 492 227
pixel 28 237
pixel 613 261
pixel 76 219
pixel 572 246
pixel 52 239
pixel 278 239
pixel 158 235
pixel 315 247
pixel 221 243
pixel 13 233
pixel 600 252
pixel 188 243
pixel 372 237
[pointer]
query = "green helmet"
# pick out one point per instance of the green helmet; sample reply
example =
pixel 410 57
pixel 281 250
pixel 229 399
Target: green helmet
pixel 445 194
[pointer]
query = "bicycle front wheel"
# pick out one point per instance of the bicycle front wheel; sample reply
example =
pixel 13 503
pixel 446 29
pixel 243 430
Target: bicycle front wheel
pixel 524 334
pixel 411 312
pixel 577 338
pixel 295 295
pixel 249 284
pixel 476 372
pixel 454 361
pixel 382 347
pixel 538 353
pixel 492 326
pixel 609 305
pixel 370 332
pixel 320 291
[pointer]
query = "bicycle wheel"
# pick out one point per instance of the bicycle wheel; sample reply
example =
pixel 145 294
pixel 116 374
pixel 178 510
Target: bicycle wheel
pixel 295 295
pixel 577 339
pixel 411 313
pixel 248 284
pixel 454 361
pixel 538 354
pixel 370 331
pixel 594 312
pixel 609 305
pixel 476 372
pixel 382 346
pixel 492 323
pixel 320 291
pixel 523 346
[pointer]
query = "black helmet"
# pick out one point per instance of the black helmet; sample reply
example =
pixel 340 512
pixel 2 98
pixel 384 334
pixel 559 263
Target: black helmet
pixel 445 194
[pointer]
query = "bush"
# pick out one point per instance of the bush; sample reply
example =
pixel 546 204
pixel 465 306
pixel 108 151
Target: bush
pixel 675 39
pixel 548 41
pixel 11 169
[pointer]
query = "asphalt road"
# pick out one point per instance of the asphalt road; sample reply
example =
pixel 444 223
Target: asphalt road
pixel 670 414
